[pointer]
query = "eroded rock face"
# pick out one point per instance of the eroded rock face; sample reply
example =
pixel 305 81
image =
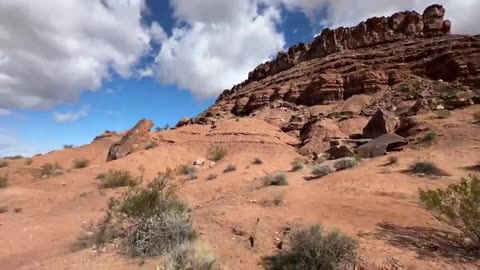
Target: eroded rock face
pixel 382 122
pixel 136 139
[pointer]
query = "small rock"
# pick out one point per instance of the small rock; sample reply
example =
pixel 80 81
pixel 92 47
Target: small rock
pixel 440 107
pixel 212 164
pixel 199 161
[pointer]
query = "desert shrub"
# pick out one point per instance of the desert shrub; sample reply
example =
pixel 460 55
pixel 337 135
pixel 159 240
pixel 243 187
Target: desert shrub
pixel 315 248
pixel 28 161
pixel 16 157
pixel 187 169
pixel 476 117
pixel 426 168
pixel 3 163
pixel 50 170
pixel 3 181
pixel 230 168
pixel 429 137
pixel 298 164
pixel 3 209
pixel 392 160
pixel 276 179
pixel 160 233
pixel 217 153
pixel 321 159
pixel 211 176
pixel 151 145
pixel 101 176
pixel 80 163
pixel 277 200
pixel 257 161
pixel 192 176
pixel 68 146
pixel 117 178
pixel 191 255
pixel 321 170
pixel 457 205
pixel 345 163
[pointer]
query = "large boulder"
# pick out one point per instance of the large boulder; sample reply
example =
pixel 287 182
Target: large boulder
pixel 380 145
pixel 382 122
pixel 316 136
pixel 136 139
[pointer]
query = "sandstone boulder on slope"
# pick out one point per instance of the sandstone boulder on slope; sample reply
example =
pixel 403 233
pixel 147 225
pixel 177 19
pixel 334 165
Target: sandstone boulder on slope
pixel 137 138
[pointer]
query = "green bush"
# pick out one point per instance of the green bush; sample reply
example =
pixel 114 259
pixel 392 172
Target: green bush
pixel 16 157
pixel 80 163
pixel 211 176
pixel 457 205
pixel 392 160
pixel 117 178
pixel 430 137
pixel 191 255
pixel 321 170
pixel 345 163
pixel 276 179
pixel 3 181
pixel 50 170
pixel 187 169
pixel 230 168
pixel 257 161
pixel 68 146
pixel 3 163
pixel 298 164
pixel 426 168
pixel 217 153
pixel 315 248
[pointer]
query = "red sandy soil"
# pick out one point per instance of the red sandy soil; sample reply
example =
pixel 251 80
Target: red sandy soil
pixel 376 204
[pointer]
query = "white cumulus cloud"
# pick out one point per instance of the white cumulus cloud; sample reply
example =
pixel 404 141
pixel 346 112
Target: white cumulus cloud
pixel 218 43
pixel 51 51
pixel 70 116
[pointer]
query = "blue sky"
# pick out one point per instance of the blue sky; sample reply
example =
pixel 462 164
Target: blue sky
pixel 110 63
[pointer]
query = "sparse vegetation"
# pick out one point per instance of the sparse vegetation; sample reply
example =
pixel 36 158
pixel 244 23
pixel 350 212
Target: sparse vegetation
pixel 427 168
pixel 321 170
pixel 321 159
pixel 16 157
pixel 151 145
pixel 3 181
pixel 298 164
pixel 187 169
pixel 28 161
pixel 345 163
pixel 257 161
pixel 230 168
pixel 211 176
pixel 430 137
pixel 68 146
pixel 150 220
pixel 117 178
pixel 101 176
pixel 315 248
pixel 217 153
pixel 80 163
pixel 277 200
pixel 457 205
pixel 276 179
pixel 392 160
pixel 3 163
pixel 50 170
pixel 192 176
pixel 3 209
pixel 194 255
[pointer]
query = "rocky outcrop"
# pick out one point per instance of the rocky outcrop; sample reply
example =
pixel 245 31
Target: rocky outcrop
pixel 380 146
pixel 136 139
pixel 382 122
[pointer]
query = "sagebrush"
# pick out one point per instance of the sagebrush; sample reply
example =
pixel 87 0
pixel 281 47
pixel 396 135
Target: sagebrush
pixel 298 164
pixel 275 179
pixel 117 178
pixel 345 163
pixel 426 168
pixel 315 248
pixel 321 170
pixel 50 170
pixel 457 205
pixel 80 163
pixel 217 153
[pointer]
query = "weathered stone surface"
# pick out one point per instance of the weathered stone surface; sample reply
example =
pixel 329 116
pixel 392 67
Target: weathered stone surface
pixel 380 145
pixel 382 122
pixel 105 134
pixel 316 136
pixel 136 139
pixel 340 151
pixel 460 99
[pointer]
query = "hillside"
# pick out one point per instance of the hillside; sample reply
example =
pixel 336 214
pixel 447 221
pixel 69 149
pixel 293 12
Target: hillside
pixel 401 86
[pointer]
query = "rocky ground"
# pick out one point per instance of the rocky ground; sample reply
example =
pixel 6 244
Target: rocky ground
pixel 391 87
